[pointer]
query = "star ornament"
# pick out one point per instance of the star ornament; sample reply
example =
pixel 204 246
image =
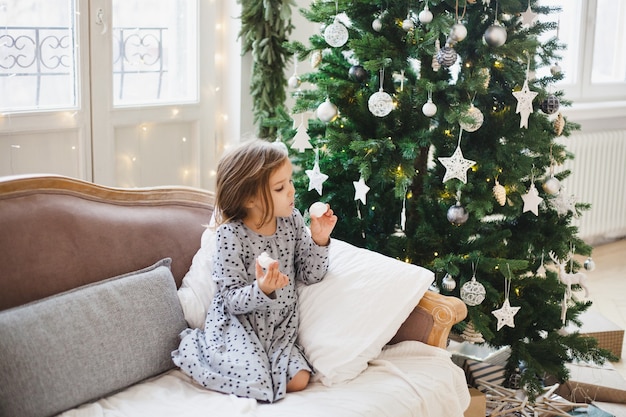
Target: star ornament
pixel 456 166
pixel 532 200
pixel 505 314
pixel 316 178
pixel 525 99
pixel 528 17
pixel 360 190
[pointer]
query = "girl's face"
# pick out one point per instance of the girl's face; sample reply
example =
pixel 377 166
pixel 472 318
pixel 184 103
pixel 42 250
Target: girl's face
pixel 282 190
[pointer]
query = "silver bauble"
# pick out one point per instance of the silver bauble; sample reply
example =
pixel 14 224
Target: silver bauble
pixel 294 81
pixel 408 25
pixel 425 16
pixel 473 292
pixel 495 35
pixel 327 112
pixel 429 108
pixel 457 214
pixel 552 186
pixel 589 264
pixel 458 32
pixel 377 25
pixel 555 70
pixel 448 283
pixel 550 105
pixel 477 116
pixel 446 56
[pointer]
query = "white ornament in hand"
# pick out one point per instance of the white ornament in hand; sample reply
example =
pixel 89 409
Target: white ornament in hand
pixel 265 260
pixel 318 209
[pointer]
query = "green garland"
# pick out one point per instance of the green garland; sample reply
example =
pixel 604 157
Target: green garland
pixel 265 26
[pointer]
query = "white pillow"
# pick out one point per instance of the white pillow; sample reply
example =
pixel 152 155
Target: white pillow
pixel 198 288
pixel 346 319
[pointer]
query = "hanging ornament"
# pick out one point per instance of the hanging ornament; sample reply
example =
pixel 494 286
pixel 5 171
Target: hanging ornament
pixel 532 200
pixel 377 24
pixel 327 112
pixel 471 335
pixel 564 203
pixel 448 283
pixel 360 190
pixel 555 69
pixel 336 34
pixel 473 292
pixel 434 288
pixel 408 24
pixel 456 165
pixel 457 215
pixel 476 116
pixel 435 62
pixel 486 75
pixel 550 104
pixel 589 264
pixel 294 81
pixel 425 16
pixel 316 58
pixel 316 177
pixel 380 103
pixel 458 32
pixel 525 99
pixel 528 17
pixel 429 108
pixel 446 56
pixel 358 73
pixel 559 124
pixel 552 185
pixel 301 141
pixel 506 313
pixel 495 35
pixel 499 192
pixel 541 271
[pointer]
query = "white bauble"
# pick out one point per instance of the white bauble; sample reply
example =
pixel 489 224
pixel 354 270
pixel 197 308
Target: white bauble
pixel 477 116
pixel 448 283
pixel 318 209
pixel 425 16
pixel 377 25
pixel 457 215
pixel 429 108
pixel 458 32
pixel 408 25
pixel 552 186
pixel 495 35
pixel 294 81
pixel 380 104
pixel 336 34
pixel 327 112
pixel 589 264
pixel 265 260
pixel 473 292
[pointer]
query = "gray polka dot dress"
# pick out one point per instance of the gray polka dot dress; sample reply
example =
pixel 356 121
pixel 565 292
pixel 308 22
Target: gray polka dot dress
pixel 248 347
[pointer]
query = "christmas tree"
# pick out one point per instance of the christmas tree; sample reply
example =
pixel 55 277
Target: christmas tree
pixel 426 128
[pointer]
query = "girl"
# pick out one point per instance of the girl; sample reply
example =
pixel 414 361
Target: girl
pixel 248 347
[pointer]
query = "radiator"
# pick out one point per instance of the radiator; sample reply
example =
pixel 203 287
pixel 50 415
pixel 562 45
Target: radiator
pixel 598 177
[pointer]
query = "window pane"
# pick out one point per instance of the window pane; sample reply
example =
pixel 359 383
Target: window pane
pixel 154 52
pixel 568 33
pixel 37 55
pixel 609 60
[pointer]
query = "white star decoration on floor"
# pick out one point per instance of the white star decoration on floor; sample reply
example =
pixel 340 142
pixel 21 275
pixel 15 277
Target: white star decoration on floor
pixel 360 190
pixel 316 178
pixel 525 99
pixel 505 314
pixel 532 200
pixel 456 166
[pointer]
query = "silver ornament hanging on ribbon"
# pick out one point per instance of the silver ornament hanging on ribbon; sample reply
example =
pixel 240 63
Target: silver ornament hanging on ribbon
pixel 473 292
pixel 446 56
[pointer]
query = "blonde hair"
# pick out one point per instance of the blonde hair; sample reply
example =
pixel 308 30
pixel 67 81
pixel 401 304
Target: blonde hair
pixel 244 173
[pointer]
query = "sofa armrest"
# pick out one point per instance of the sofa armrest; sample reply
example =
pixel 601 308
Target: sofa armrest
pixel 432 319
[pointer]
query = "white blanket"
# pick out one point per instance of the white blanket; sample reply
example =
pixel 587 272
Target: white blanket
pixel 407 379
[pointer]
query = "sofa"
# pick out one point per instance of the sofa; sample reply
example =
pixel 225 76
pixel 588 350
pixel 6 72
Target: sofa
pixel 99 282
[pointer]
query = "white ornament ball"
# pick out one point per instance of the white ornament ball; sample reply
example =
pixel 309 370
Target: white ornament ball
pixel 495 35
pixel 318 209
pixel 425 16
pixel 473 292
pixel 448 283
pixel 265 260
pixel 380 104
pixel 336 34
pixel 552 186
pixel 294 81
pixel 327 112
pixel 457 214
pixel 589 264
pixel 408 25
pixel 377 25
pixel 477 117
pixel 458 32
pixel 555 70
pixel 446 56
pixel 429 108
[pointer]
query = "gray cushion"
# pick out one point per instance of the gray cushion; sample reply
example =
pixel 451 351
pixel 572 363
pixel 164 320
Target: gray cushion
pixel 80 345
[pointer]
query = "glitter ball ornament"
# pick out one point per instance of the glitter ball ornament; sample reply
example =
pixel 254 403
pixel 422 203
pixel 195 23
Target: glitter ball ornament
pixel 473 292
pixel 377 25
pixel 336 34
pixel 495 35
pixel 552 186
pixel 358 73
pixel 294 81
pixel 425 16
pixel 327 112
pixel 429 108
pixel 589 264
pixel 448 283
pixel 408 25
pixel 458 32
pixel 477 117
pixel 380 103
pixel 457 215
pixel 550 105
pixel 446 56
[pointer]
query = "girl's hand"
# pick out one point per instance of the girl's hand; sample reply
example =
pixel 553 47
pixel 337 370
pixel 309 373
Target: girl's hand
pixel 321 227
pixel 272 280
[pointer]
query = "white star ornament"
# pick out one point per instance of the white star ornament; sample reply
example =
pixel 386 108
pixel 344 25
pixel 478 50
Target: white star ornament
pixel 505 314
pixel 316 178
pixel 456 166
pixel 532 200
pixel 525 99
pixel 360 190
